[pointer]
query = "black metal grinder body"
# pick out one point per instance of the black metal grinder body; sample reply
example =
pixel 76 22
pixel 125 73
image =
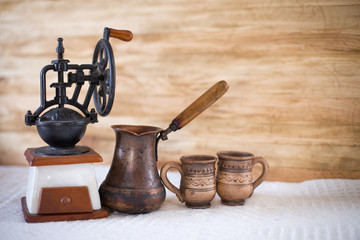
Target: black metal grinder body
pixel 61 127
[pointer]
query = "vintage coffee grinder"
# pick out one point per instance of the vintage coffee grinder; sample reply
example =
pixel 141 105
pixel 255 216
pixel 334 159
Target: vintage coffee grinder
pixel 62 183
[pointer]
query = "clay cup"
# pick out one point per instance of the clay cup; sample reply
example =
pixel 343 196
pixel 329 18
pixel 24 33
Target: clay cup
pixel 234 181
pixel 197 184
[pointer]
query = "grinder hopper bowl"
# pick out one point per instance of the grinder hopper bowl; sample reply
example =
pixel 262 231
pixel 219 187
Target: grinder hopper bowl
pixel 62 184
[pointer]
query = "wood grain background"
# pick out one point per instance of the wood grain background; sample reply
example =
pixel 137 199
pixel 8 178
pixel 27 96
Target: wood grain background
pixel 293 68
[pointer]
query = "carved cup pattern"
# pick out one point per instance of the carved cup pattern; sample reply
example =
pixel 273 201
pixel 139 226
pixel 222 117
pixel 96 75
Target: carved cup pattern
pixel 236 166
pixel 197 182
pixel 235 178
pixel 207 170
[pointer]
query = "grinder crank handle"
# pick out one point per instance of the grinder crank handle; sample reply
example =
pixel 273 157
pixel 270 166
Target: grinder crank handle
pixel 124 35
pixel 197 107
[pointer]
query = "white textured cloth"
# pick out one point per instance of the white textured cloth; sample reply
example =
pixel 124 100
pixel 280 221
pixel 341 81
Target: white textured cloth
pixel 317 209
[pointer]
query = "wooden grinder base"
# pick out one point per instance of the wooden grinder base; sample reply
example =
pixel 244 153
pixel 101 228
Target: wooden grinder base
pixel 49 210
pixel 36 218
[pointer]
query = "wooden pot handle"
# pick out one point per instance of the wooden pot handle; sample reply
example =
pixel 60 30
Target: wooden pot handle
pixel 264 172
pixel 167 183
pixel 197 107
pixel 201 104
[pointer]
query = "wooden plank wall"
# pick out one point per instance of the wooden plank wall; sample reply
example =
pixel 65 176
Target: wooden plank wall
pixel 293 68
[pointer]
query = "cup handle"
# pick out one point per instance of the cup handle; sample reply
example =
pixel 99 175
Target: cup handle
pixel 167 183
pixel 264 173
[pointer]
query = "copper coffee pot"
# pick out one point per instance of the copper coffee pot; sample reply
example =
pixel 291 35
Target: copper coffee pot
pixel 133 184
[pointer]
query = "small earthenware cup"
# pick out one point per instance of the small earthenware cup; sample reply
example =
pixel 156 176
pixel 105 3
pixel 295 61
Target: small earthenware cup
pixel 234 182
pixel 197 184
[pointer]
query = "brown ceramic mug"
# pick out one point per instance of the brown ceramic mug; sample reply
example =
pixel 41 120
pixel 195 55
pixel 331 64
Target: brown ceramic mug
pixel 197 184
pixel 234 181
